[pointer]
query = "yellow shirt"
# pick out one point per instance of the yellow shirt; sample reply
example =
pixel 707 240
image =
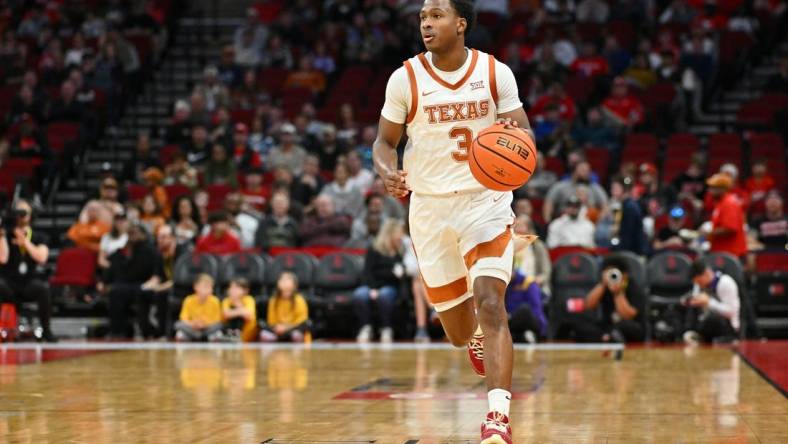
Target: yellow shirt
pixel 209 311
pixel 287 311
pixel 250 325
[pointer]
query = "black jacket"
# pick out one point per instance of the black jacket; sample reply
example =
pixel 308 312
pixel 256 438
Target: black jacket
pixel 379 269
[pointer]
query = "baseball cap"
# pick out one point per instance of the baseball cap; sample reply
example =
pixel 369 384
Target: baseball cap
pixel 720 180
pixel 573 201
pixel 241 127
pixel 648 167
pixel 287 128
pixel 677 212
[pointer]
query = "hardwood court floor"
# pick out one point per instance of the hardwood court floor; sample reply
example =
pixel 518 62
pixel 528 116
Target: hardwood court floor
pixel 231 394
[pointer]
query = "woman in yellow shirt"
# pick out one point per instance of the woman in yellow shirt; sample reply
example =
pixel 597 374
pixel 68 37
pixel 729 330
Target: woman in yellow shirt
pixel 288 315
pixel 239 311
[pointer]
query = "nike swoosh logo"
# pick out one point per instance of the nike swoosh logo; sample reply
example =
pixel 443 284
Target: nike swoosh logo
pixel 424 94
pixel 499 198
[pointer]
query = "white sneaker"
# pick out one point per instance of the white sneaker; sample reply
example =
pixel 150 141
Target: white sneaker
pixel 365 334
pixel 386 335
pixel 216 337
pixel 181 336
pixel 530 337
pixel 691 337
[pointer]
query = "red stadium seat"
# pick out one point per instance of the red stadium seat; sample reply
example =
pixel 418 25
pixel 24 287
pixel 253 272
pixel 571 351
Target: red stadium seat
pixel 555 164
pixel 75 266
pixel 59 134
pixel 728 143
pixel 682 141
pixel 177 190
pixel 599 158
pixel 245 116
pixel 768 145
pixel 579 88
pixel 136 191
pixel 167 152
pixel 755 114
pixel 21 166
pixel 771 262
pixel 216 195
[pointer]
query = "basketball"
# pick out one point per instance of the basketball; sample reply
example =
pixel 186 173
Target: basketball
pixel 502 159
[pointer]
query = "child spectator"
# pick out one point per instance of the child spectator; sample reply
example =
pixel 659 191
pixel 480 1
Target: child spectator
pixel 760 182
pixel 239 312
pixel 201 314
pixel 288 314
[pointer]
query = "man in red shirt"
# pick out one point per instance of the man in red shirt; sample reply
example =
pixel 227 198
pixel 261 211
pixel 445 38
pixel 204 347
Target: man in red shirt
pixel 255 195
pixel 555 95
pixel 727 219
pixel 622 108
pixel 243 154
pixel 219 240
pixel 590 64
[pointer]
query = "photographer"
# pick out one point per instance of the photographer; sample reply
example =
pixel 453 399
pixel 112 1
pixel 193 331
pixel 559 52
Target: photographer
pixel 22 251
pixel 715 296
pixel 622 303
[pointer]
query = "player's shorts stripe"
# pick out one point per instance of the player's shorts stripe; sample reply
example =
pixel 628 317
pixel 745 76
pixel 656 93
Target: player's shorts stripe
pixel 414 92
pixel 493 82
pixel 491 248
pixel 448 292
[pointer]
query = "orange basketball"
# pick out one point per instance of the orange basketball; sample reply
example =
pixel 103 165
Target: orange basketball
pixel 502 159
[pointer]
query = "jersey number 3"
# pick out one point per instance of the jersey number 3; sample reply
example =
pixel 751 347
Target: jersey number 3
pixel 464 137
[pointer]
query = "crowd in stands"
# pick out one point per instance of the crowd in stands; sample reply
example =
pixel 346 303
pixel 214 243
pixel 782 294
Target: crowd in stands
pixel 272 150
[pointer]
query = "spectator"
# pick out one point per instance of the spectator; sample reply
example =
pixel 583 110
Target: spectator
pixel 23 251
pixel 622 109
pixel 715 298
pixel 690 184
pixel 322 59
pixel 215 92
pixel 66 107
pixel 594 133
pixel 383 272
pixel 220 239
pixel 180 129
pixel 307 77
pixel 288 315
pixel 530 285
pixel 185 220
pixel 670 236
pixel 347 198
pixel 725 230
pixel 130 267
pixel 249 40
pixel 255 195
pixel 561 191
pixel 198 148
pixel 556 96
pixel 640 73
pixel 647 186
pixel 325 227
pixel 88 234
pixel 229 72
pixel 179 172
pixel 590 64
pixel 593 11
pixel 733 172
pixel 152 178
pixel 247 95
pixel 760 182
pixel 287 154
pixel 108 198
pixel 243 155
pixel 551 133
pixel 220 169
pixel 373 206
pixel 628 218
pixel 278 229
pixel 277 54
pixel 679 12
pixel 617 57
pixel 142 160
pixel 622 303
pixel 199 114
pixel 152 216
pixel 364 149
pixel 26 102
pixel 772 228
pixel 239 312
pixel 310 182
pixel 243 223
pixel 540 182
pixel 570 228
pixel 114 240
pixel 201 314
pixel 330 147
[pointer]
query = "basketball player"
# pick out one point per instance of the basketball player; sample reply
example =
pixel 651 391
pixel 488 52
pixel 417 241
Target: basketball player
pixel 461 230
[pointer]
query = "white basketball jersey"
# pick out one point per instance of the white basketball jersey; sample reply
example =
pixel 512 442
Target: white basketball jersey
pixel 442 122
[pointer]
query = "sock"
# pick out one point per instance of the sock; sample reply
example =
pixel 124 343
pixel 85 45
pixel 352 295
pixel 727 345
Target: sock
pixel 499 400
pixel 478 331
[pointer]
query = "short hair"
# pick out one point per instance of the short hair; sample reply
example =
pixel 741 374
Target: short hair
pixel 217 216
pixel 204 277
pixel 698 268
pixel 240 282
pixel 465 10
pixel 613 261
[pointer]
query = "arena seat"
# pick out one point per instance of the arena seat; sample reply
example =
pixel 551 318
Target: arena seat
pixel 337 277
pixel 247 265
pixel 771 282
pixel 573 276
pixel 167 152
pixel 176 190
pixel 75 267
pixel 59 134
pixel 668 275
pixel 136 192
pixel 302 264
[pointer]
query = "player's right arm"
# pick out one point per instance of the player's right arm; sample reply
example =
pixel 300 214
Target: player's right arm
pixel 384 154
pixel 393 117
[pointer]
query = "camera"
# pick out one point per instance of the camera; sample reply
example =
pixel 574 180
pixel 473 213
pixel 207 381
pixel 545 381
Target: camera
pixel 10 217
pixel 614 276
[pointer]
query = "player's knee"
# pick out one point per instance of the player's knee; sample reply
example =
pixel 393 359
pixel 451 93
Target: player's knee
pixel 490 306
pixel 460 339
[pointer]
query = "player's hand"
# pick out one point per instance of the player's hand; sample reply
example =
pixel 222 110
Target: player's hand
pixel 508 123
pixel 395 183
